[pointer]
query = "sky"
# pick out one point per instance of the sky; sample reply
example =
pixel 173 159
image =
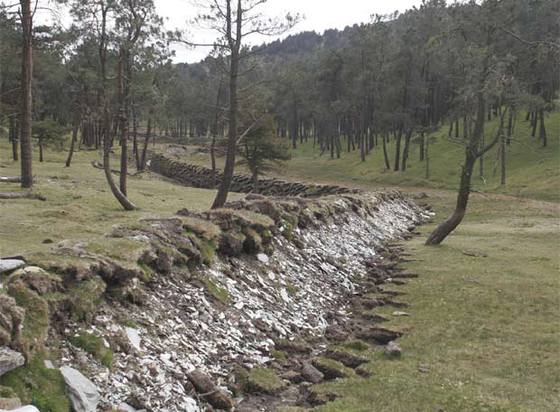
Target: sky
pixel 318 15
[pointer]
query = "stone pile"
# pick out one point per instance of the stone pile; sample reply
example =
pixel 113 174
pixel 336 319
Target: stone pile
pixel 202 177
pixel 178 310
pixel 233 313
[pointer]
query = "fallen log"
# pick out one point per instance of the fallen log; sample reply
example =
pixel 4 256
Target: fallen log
pixel 10 179
pixel 21 195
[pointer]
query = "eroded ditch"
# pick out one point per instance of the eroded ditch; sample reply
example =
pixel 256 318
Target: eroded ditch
pixel 245 307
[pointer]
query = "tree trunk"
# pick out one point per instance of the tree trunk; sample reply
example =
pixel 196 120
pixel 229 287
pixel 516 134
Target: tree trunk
pixel 398 150
pixel 534 122
pixel 135 149
pixel 106 129
pixel 41 149
pixel 22 195
pixel 427 156
pixel 121 197
pixel 445 228
pixel 385 153
pixel 235 45
pixel 123 93
pixel 14 137
pixel 145 147
pixel 406 150
pixel 510 128
pixel 503 160
pixel 422 143
pixel 72 144
pixel 542 129
pixel 27 98
pixel 471 154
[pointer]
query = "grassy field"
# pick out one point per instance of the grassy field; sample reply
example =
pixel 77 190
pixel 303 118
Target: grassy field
pixel 532 171
pixel 484 329
pixel 79 203
pixel 486 326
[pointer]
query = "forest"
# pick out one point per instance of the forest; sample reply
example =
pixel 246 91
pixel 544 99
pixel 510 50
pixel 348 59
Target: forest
pixel 105 135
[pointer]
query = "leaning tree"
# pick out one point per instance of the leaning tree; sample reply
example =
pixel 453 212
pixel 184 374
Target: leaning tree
pixel 235 21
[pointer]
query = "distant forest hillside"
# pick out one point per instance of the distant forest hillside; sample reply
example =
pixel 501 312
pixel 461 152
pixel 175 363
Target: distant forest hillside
pixel 389 83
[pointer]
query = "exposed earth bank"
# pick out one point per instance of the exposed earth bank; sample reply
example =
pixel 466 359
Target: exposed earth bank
pixel 243 307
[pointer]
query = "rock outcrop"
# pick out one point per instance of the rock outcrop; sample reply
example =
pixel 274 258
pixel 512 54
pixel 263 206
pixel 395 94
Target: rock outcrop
pixel 83 394
pixel 8 265
pixel 10 360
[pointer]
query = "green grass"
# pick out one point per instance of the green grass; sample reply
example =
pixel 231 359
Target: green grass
pixel 532 171
pixel 37 385
pixel 487 327
pixel 95 346
pixel 79 203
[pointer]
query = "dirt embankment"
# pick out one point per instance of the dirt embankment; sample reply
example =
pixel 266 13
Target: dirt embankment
pixel 230 306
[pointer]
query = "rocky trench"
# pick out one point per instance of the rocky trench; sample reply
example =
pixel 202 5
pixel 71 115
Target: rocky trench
pixel 234 309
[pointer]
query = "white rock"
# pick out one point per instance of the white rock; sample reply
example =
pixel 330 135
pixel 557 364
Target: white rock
pixel 125 407
pixel 399 313
pixel 27 408
pixel 190 405
pixel 49 364
pixel 284 295
pixel 33 270
pixel 133 336
pixel 263 258
pixel 10 360
pixel 7 265
pixel 141 238
pixel 83 394
pixel 393 349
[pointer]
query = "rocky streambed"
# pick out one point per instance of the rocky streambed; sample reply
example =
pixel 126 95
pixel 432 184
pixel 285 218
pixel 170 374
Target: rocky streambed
pixel 235 308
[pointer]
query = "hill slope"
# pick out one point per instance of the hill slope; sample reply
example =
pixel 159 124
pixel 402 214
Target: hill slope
pixel 532 171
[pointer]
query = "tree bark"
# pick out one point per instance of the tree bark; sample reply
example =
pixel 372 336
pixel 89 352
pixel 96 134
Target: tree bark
pixel 22 195
pixel 72 144
pixel 503 147
pixel 14 138
pixel 223 190
pixel 106 132
pixel 471 154
pixel 10 179
pixel 449 225
pixel 27 97
pixel 135 149
pixel 427 156
pixel 41 149
pixel 542 129
pixel 235 45
pixel 385 153
pixel 406 150
pixel 123 60
pixel 145 147
pixel 398 150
